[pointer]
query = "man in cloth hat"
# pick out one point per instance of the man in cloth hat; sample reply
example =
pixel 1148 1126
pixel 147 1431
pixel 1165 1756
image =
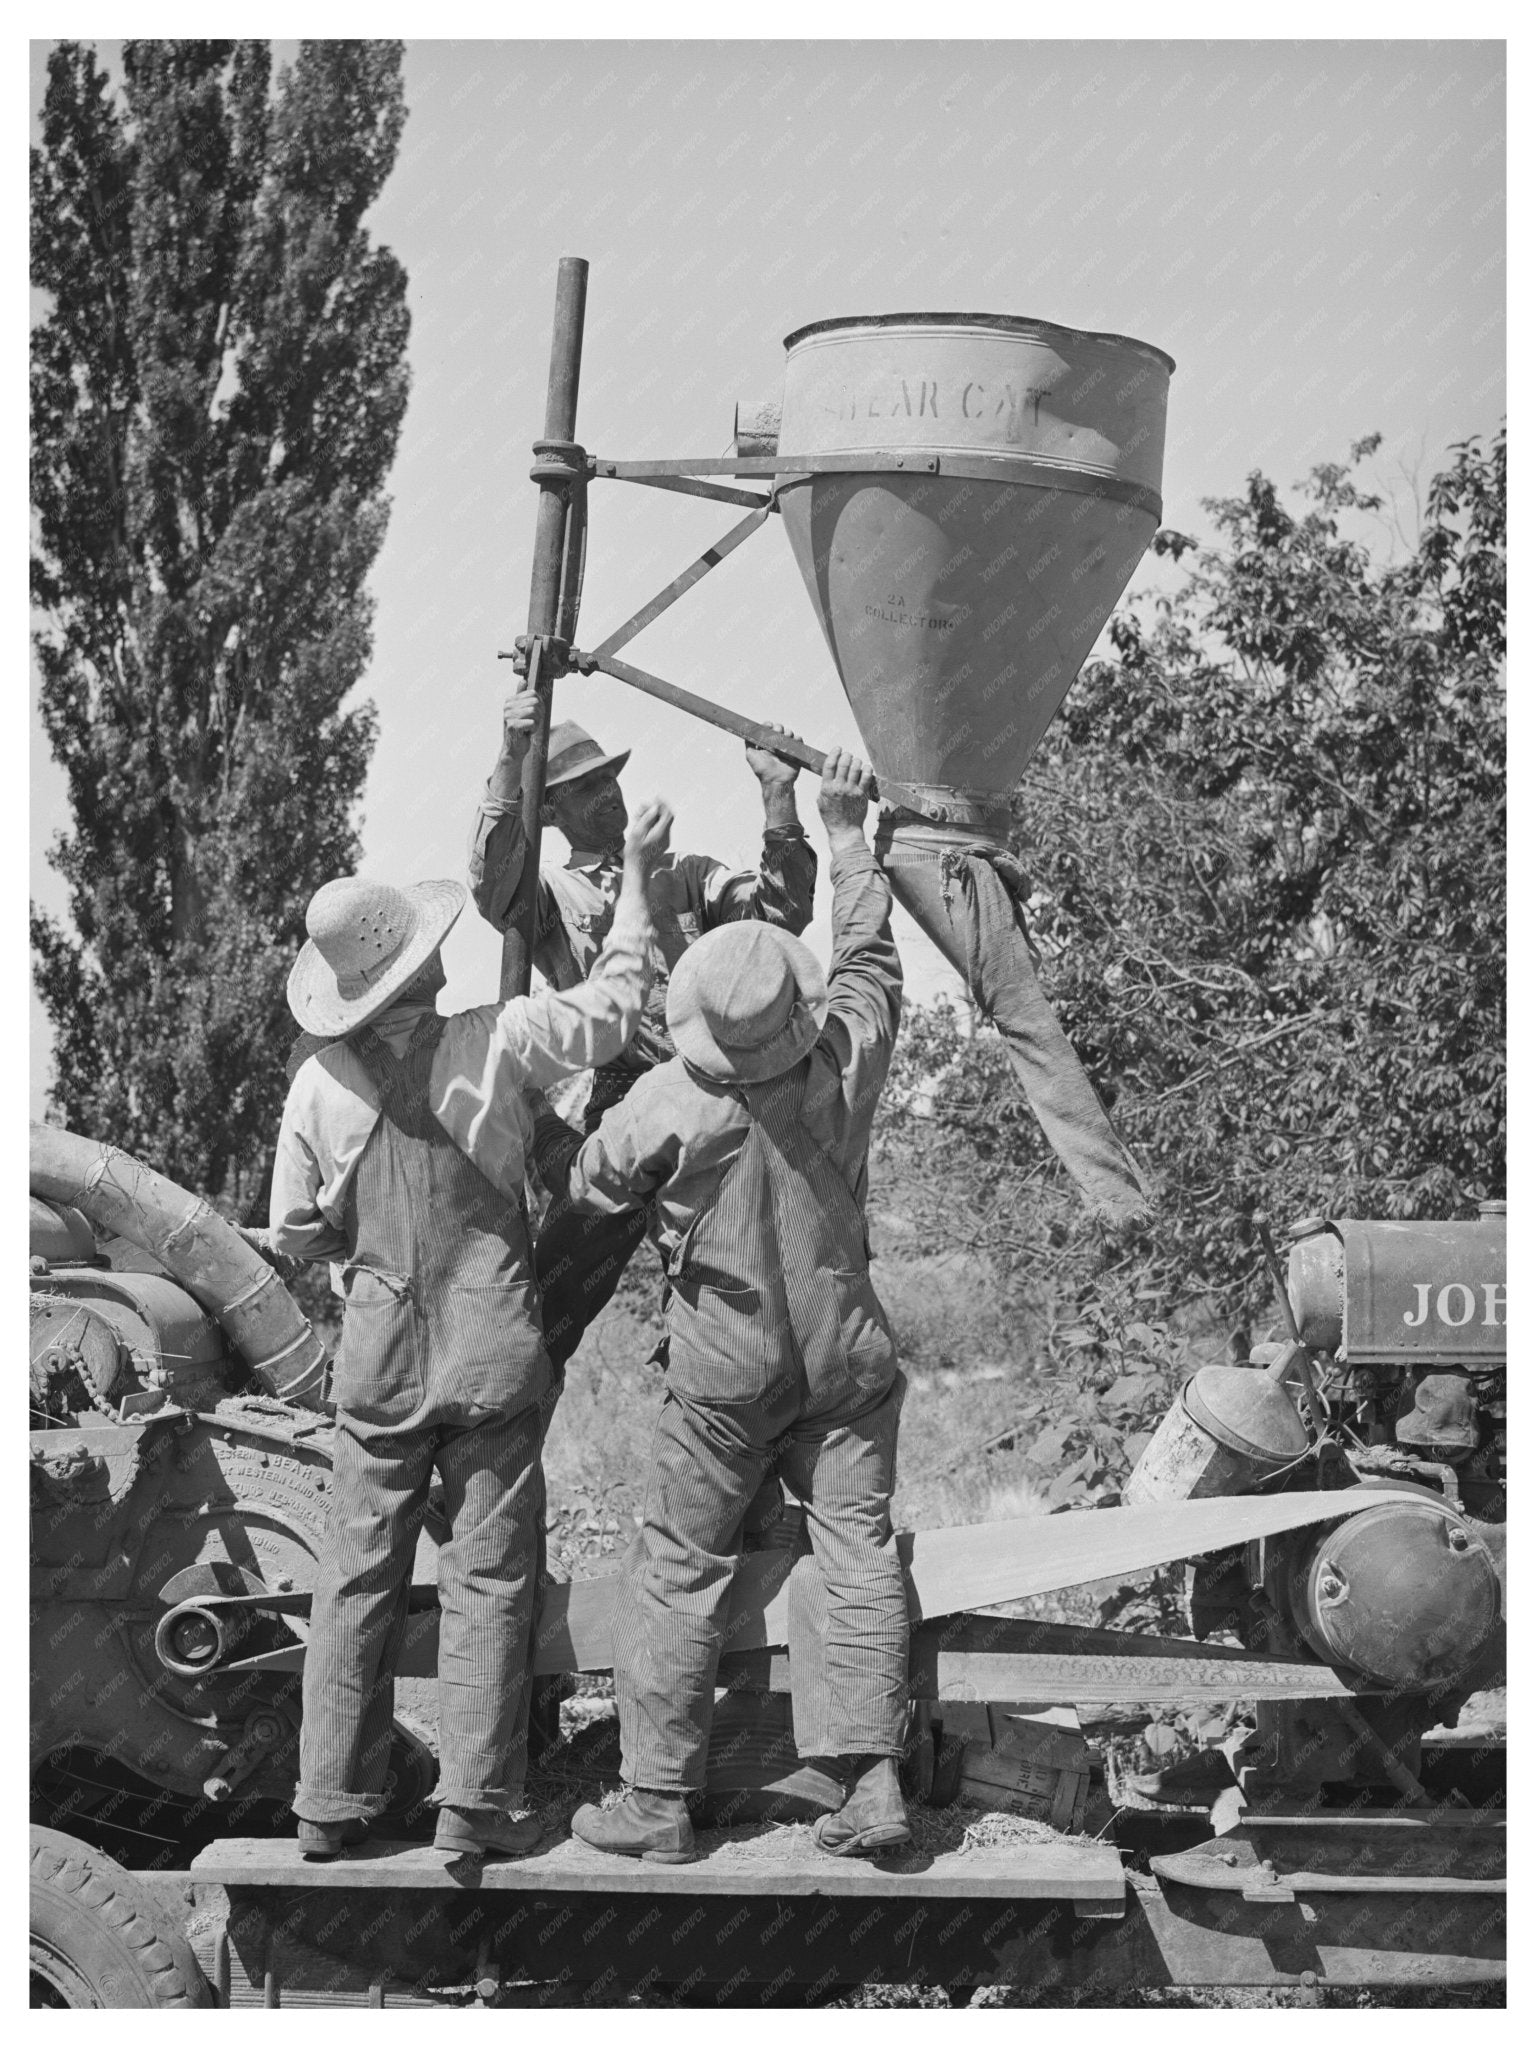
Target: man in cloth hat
pixel 580 1259
pixel 753 1145
pixel 401 1154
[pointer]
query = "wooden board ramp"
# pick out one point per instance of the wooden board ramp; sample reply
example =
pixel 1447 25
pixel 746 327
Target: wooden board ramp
pixel 774 1863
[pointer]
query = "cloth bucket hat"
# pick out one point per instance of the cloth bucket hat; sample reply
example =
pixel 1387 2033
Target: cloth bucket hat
pixel 746 1002
pixel 366 942
pixel 574 753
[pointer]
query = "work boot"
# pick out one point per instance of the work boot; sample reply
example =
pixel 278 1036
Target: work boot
pixel 322 1840
pixel 484 1831
pixel 874 1817
pixel 651 1825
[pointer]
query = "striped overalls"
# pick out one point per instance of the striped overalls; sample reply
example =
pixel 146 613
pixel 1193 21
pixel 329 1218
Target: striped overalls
pixel 442 1365
pixel 781 1359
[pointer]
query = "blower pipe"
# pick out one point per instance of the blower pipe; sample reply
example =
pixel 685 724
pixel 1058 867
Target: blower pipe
pixel 193 1242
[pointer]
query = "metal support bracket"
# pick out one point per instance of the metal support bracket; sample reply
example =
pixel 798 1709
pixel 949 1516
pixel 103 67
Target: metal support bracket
pixel 897 795
pixel 694 573
pixel 1084 479
pixel 695 487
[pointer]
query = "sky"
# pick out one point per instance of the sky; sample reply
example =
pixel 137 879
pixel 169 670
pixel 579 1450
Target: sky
pixel 1314 231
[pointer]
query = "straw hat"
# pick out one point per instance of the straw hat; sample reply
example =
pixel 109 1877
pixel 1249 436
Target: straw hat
pixel 574 753
pixel 746 1002
pixel 366 942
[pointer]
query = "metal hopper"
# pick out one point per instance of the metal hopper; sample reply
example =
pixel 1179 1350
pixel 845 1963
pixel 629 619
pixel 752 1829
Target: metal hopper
pixel 961 589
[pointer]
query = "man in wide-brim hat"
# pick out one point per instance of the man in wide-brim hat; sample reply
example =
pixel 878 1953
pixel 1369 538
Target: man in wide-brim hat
pixel 752 1144
pixel 401 1156
pixel 581 1259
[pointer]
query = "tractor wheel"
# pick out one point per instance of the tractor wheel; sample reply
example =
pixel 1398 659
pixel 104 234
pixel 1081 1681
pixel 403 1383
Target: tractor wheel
pixel 98 1939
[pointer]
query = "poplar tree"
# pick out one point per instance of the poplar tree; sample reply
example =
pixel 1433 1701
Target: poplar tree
pixel 218 384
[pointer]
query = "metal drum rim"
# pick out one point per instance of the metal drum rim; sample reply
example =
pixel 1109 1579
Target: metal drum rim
pixel 1008 471
pixel 1003 323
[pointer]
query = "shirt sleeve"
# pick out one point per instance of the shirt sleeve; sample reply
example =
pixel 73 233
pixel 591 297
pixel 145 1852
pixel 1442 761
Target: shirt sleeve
pixel 498 847
pixel 782 892
pixel 541 1038
pixel 300 1227
pixel 853 1055
pixel 634 1151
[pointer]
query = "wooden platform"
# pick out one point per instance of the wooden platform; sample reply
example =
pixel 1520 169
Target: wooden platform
pixel 778 1863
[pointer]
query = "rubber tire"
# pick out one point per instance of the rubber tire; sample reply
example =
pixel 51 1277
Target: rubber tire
pixel 98 1938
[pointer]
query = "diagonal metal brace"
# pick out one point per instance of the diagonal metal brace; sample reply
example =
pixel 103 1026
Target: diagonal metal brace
pixel 695 571
pixel 899 796
pixel 692 487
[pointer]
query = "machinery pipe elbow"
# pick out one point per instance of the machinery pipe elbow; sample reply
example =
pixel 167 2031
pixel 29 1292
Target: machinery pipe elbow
pixel 207 1255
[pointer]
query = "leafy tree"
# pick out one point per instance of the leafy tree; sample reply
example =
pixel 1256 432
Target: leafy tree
pixel 217 390
pixel 1267 843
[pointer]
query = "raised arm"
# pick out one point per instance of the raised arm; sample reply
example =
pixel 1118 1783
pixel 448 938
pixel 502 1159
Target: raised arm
pixel 783 891
pixel 541 1038
pixel 498 844
pixel 853 1054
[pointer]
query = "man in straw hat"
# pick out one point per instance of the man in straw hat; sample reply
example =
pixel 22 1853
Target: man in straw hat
pixel 753 1145
pixel 581 1259
pixel 401 1153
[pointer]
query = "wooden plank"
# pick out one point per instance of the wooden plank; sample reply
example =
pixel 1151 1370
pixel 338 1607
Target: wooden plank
pixel 1067 1871
pixel 963 1657
pixel 1186 1675
pixel 1206 1872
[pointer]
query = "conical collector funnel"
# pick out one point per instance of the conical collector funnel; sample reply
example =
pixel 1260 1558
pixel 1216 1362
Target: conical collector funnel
pixel 1013 485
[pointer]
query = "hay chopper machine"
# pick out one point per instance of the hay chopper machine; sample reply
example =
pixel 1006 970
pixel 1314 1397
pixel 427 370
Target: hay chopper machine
pixel 966 497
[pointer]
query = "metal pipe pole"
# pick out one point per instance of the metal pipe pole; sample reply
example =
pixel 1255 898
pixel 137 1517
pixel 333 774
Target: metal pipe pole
pixel 549 555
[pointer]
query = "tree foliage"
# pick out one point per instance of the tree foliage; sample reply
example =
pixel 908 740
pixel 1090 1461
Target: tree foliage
pixel 217 390
pixel 1267 844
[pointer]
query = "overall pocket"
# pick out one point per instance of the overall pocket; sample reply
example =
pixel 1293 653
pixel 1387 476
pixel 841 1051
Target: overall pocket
pixel 488 1348
pixel 869 1344
pixel 723 1348
pixel 378 1368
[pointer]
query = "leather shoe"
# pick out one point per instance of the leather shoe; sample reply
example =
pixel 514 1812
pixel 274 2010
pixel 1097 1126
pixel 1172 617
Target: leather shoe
pixel 651 1825
pixel 874 1817
pixel 322 1840
pixel 483 1831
